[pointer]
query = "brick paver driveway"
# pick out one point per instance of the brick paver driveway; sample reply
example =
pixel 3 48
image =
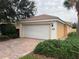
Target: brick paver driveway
pixel 13 49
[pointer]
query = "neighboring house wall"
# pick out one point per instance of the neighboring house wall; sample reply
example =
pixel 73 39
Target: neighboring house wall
pixel 74 30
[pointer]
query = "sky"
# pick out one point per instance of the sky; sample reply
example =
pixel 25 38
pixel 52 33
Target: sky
pixel 55 8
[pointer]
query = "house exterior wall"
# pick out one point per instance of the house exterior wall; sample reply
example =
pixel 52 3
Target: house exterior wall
pixel 54 30
pixel 65 30
pixel 44 31
pixel 21 31
pixel 69 29
pixel 17 26
pixel 61 31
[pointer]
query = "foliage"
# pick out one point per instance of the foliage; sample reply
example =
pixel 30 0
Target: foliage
pixel 45 48
pixel 67 4
pixel 71 34
pixel 66 49
pixel 72 3
pixel 14 10
pixel 74 26
pixel 8 30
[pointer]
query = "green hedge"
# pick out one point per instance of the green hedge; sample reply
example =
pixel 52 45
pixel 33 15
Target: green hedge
pixel 66 49
pixel 8 30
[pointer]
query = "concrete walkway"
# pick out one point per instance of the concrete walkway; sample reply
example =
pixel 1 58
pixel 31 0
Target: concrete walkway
pixel 13 49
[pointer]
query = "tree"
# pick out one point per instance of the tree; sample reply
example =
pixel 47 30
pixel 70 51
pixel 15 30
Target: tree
pixel 8 30
pixel 74 25
pixel 14 10
pixel 71 3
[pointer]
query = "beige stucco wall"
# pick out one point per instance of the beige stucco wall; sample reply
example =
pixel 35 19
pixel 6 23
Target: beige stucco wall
pixel 69 29
pixel 60 30
pixel 54 30
pixel 19 26
pixel 63 30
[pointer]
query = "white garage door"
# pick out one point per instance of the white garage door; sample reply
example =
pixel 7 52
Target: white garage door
pixel 36 31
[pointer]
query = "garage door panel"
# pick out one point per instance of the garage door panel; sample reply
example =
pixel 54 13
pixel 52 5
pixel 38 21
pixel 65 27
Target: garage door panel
pixel 36 31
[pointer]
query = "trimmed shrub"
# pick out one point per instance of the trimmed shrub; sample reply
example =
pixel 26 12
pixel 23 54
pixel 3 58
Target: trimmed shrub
pixel 66 49
pixel 72 34
pixel 47 47
pixel 8 30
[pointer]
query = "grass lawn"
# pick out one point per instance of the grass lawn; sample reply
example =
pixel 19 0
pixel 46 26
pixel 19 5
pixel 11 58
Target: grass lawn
pixel 34 56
